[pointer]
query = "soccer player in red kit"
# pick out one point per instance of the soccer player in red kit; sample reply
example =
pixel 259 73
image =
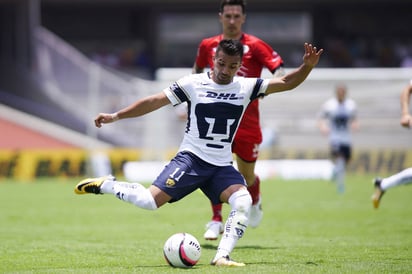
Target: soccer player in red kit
pixel 257 55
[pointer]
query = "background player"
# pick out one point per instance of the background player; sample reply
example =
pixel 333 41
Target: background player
pixel 257 55
pixel 204 159
pixel 405 176
pixel 337 118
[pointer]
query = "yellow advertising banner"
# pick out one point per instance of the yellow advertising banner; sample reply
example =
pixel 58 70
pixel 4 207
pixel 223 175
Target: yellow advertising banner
pixel 31 163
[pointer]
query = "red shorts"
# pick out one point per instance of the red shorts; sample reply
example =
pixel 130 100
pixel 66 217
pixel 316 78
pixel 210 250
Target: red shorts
pixel 247 151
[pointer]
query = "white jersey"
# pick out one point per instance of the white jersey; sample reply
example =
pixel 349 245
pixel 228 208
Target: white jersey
pixel 214 113
pixel 339 115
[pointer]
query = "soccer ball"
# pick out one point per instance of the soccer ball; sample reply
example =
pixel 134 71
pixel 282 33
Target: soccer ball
pixel 182 250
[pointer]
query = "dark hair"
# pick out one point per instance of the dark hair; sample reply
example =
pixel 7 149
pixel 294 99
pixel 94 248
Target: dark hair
pixel 241 3
pixel 230 47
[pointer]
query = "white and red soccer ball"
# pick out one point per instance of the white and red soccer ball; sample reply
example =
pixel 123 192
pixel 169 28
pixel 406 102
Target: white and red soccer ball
pixel 182 250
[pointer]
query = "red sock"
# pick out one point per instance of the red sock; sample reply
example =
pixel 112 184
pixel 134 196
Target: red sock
pixel 217 212
pixel 254 190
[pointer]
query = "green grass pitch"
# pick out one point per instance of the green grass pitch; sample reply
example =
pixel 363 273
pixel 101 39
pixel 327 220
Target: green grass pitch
pixel 307 228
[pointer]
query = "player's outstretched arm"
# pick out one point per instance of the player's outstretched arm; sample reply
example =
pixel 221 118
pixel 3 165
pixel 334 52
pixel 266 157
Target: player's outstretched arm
pixel 293 79
pixel 138 108
pixel 406 118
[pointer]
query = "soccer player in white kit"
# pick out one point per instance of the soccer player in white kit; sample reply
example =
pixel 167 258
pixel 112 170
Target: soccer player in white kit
pixel 337 118
pixel 405 176
pixel 216 103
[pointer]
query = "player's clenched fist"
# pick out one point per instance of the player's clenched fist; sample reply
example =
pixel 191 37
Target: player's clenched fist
pixel 105 118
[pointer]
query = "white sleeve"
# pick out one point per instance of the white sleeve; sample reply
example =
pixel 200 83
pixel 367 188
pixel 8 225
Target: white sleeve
pixel 172 98
pixel 176 91
pixel 264 87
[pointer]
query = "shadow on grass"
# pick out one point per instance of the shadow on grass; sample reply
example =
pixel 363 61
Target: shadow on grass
pixel 214 246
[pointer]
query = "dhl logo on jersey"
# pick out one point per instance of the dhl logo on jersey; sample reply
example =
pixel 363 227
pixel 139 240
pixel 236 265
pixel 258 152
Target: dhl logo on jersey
pixel 223 96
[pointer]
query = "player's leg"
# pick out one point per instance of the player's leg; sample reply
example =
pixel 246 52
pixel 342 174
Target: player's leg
pixel 228 185
pixel 235 226
pixel 345 152
pixel 246 157
pixel 340 173
pixel 215 227
pixel 172 184
pixel 341 155
pixel 134 193
pixel 247 169
pixel 381 185
pixel 401 178
pixel 149 198
pixel 334 153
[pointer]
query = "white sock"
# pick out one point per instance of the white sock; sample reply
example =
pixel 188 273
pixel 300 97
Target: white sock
pixel 401 178
pixel 107 186
pixel 236 223
pixel 133 193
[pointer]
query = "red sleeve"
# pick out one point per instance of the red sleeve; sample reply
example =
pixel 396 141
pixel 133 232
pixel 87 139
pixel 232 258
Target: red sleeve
pixel 206 50
pixel 267 56
pixel 201 57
